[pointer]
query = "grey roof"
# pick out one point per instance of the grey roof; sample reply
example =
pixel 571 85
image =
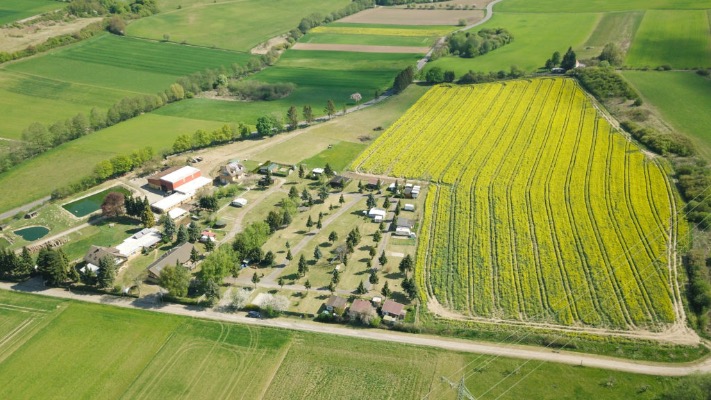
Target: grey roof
pixel 393 308
pixel 336 302
pixel 180 254
pixel 404 223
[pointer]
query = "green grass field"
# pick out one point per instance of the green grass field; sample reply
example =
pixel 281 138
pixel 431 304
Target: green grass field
pixel 677 38
pixel 614 27
pixel 369 40
pixel 318 76
pixel 234 25
pixel 536 37
pixel 95 73
pixel 78 350
pixel 28 184
pixel 15 10
pixel 683 100
pixel 552 6
pixel 338 157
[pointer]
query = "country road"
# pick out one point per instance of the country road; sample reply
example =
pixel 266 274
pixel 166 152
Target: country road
pixel 520 352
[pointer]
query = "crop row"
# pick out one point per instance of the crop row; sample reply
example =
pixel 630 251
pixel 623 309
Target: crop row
pixel 541 211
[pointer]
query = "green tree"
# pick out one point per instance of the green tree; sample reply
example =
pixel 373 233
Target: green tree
pixel 555 58
pixel 147 218
pixel 293 193
pixel 331 287
pixel 434 75
pixel 569 60
pixel 328 171
pixel 275 219
pixel 317 253
pixel 212 291
pixel 332 237
pixel 309 223
pixel 307 285
pixel 289 257
pixel 385 291
pixel 301 171
pixel 107 272
pixel 265 126
pixel 292 118
pixel 370 203
pixel 182 235
pixel 113 205
pixel 303 267
pixel 104 170
pixel 269 258
pixel 361 288
pixel 168 229
pixel 612 53
pixel 341 200
pixel 449 76
pixel 194 255
pixel 408 285
pixel 280 282
pixel 208 203
pixel 382 259
pixel 308 115
pixel 255 279
pixel 336 277
pixel 193 232
pixel 406 264
pixel 377 236
pixel 330 109
pixel 209 246
pixel 323 193
pixel 175 279
pixel 373 279
pixel 403 79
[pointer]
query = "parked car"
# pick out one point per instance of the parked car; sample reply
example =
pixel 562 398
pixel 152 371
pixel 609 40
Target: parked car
pixel 254 314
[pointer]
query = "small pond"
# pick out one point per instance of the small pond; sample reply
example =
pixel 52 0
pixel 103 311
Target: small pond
pixel 87 205
pixel 32 233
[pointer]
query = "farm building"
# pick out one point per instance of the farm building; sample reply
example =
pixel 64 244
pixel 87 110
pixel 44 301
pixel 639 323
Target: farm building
pixel 392 310
pixel 404 232
pixel 411 191
pixel 207 235
pixel 168 203
pixel 171 179
pixel 231 172
pixel 176 213
pixel 339 181
pixel 96 253
pixel 239 202
pixel 360 307
pixel 377 213
pixel 271 168
pixel 336 303
pixel 177 255
pixel 408 207
pixel 404 223
pixel 145 239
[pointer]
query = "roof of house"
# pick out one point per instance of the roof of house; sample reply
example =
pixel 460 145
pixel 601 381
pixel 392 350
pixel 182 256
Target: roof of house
pixel 404 223
pixel 208 233
pixel 166 203
pixel 269 167
pixel 393 307
pixel 161 174
pixel 180 173
pixel 191 187
pixel 176 213
pixel 96 253
pixel 232 169
pixel 145 238
pixel 339 179
pixel 377 211
pixel 317 170
pixel 180 254
pixel 336 302
pixel 360 306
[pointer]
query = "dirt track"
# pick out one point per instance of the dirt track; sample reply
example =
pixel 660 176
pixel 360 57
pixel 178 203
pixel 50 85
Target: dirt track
pixel 520 352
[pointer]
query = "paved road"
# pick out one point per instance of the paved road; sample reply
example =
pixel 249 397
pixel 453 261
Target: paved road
pixel 26 207
pixel 520 352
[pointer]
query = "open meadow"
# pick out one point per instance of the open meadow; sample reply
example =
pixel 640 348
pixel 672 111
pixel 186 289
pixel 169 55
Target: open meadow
pixel 676 38
pixel 234 25
pixel 95 73
pixel 536 37
pixel 559 218
pixel 614 27
pixel 552 6
pixel 683 100
pixel 15 10
pixel 60 349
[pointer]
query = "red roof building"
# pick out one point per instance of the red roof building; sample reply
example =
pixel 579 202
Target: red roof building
pixel 171 179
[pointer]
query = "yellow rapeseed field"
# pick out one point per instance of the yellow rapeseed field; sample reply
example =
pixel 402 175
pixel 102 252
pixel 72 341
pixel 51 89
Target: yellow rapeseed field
pixel 539 210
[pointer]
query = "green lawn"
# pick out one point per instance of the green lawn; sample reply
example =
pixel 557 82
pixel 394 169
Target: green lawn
pixel 682 98
pixel 598 5
pixel 318 76
pixel 614 27
pixel 677 38
pixel 39 176
pixel 101 234
pixel 15 10
pixel 338 157
pixel 536 37
pixel 78 350
pixel 370 40
pixel 234 25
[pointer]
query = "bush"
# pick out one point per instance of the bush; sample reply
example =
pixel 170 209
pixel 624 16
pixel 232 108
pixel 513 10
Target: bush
pixel 255 90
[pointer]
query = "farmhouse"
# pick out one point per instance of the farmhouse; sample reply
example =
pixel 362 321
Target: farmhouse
pixel 404 223
pixel 231 172
pixel 172 178
pixel 336 303
pixel 360 307
pixel 411 191
pixel 378 214
pixel 145 239
pixel 393 311
pixel 96 253
pixel 177 255
pixel 339 181
pixel 207 235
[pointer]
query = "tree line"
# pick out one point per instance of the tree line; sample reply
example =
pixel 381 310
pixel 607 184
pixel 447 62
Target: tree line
pixel 469 44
